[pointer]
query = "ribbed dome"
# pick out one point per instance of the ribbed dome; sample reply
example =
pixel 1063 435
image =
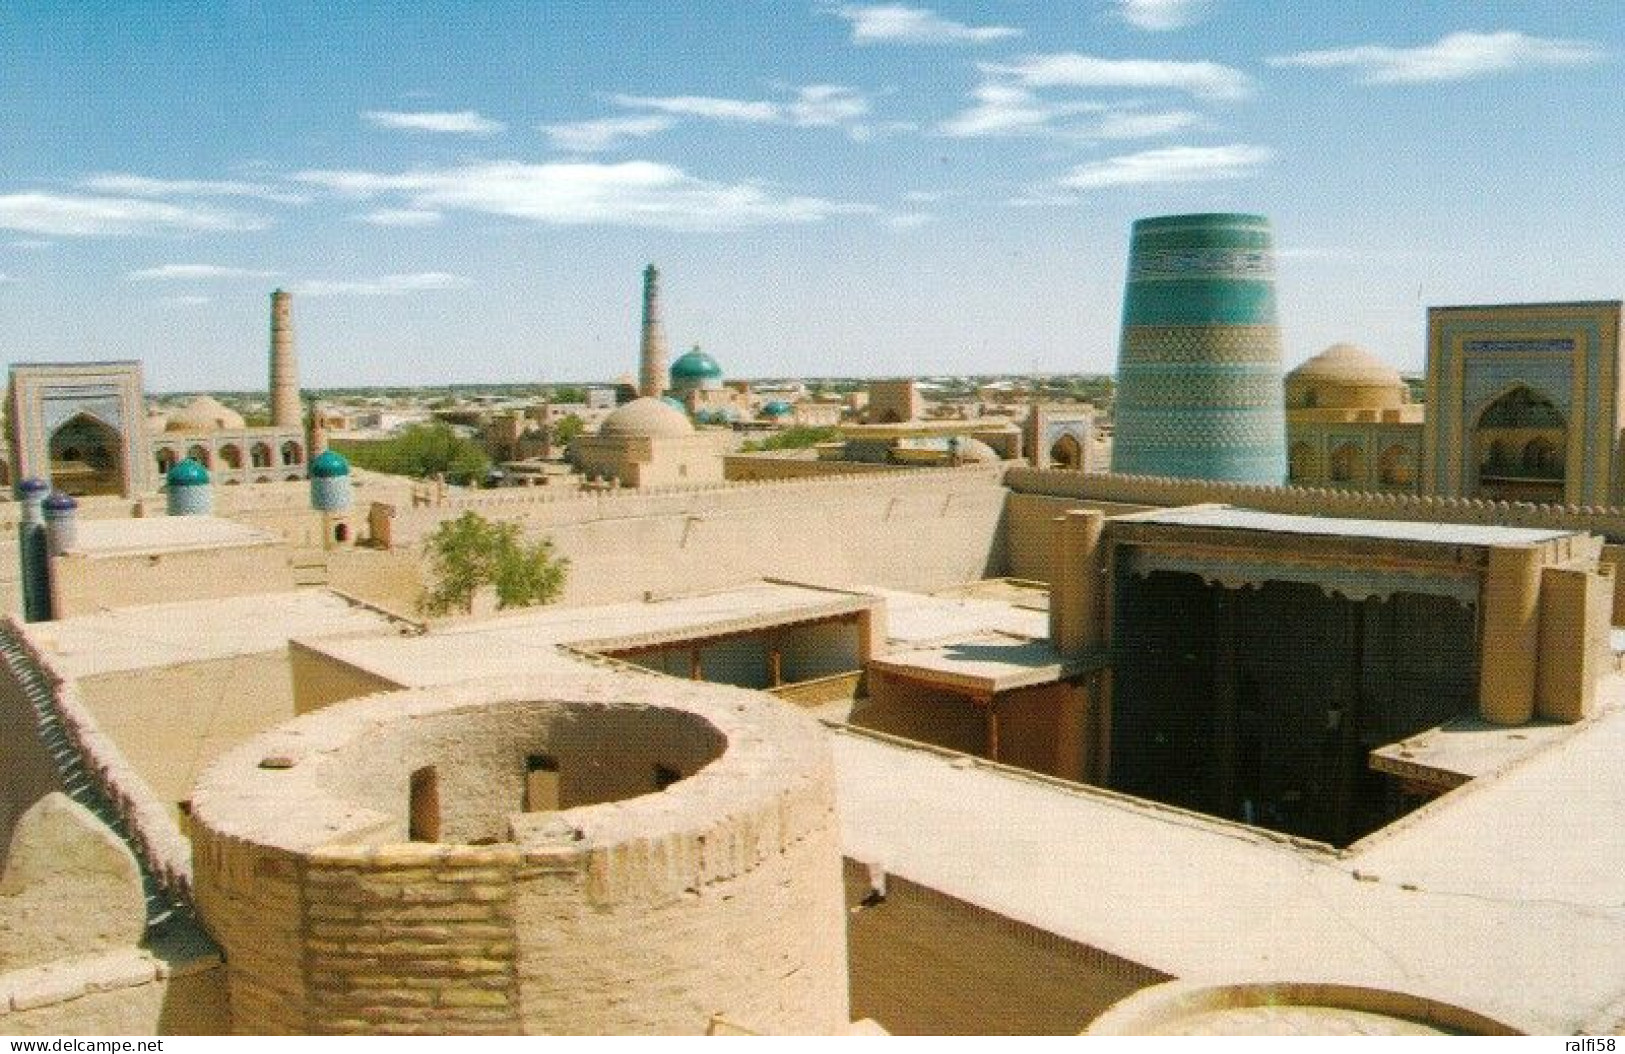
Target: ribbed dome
pixel 776 408
pixel 696 365
pixel 205 414
pixel 329 464
pixel 646 418
pixel 188 473
pixel 1347 364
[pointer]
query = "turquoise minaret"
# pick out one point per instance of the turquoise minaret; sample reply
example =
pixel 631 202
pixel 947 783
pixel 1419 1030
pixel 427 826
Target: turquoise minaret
pixel 1199 388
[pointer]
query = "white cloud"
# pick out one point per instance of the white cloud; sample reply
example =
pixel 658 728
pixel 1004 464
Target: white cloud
pixel 459 122
pixel 1008 109
pixel 193 272
pixel 6 279
pixel 1454 57
pixel 1002 108
pixel 1158 15
pixel 73 215
pixel 401 218
pixel 822 105
pixel 901 24
pixel 605 133
pixel 814 106
pixel 910 220
pixel 1204 80
pixel 146 187
pixel 705 106
pixel 628 194
pixel 1174 164
pixel 1129 124
pixel 183 301
pixel 384 285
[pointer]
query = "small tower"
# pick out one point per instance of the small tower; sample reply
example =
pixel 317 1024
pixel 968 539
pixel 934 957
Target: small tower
pixel 61 522
pixel 189 490
pixel 330 495
pixel 652 374
pixel 32 550
pixel 284 364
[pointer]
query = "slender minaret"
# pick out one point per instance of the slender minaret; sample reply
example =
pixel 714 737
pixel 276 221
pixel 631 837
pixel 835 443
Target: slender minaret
pixel 284 365
pixel 653 378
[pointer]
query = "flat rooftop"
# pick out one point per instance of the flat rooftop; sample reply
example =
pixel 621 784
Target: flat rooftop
pixel 1231 518
pixel 918 618
pixel 985 663
pixel 529 641
pixel 1457 751
pixel 1505 896
pixel 159 635
pixel 164 534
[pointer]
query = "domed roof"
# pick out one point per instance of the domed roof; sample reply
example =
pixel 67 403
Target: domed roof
pixel 646 418
pixel 776 408
pixel 329 464
pixel 205 414
pixel 1347 364
pixel 675 404
pixel 188 473
pixel 696 365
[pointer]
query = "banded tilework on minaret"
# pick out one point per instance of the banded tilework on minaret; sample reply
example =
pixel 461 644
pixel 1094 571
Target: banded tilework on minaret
pixel 284 364
pixel 652 376
pixel 1199 389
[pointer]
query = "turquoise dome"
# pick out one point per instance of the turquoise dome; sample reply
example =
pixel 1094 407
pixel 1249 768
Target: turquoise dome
pixel 675 404
pixel 776 408
pixel 329 464
pixel 696 365
pixel 188 473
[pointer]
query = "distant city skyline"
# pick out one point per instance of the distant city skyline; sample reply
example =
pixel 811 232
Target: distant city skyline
pixel 469 193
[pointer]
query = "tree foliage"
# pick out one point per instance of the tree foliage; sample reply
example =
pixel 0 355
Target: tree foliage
pixel 567 428
pixel 422 451
pixel 471 552
pixel 797 438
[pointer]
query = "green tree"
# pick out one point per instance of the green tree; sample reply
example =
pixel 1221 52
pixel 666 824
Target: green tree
pixel 798 438
pixel 422 451
pixel 567 428
pixel 470 552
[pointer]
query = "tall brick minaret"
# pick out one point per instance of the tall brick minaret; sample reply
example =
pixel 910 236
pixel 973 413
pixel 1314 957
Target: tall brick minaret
pixel 653 375
pixel 285 411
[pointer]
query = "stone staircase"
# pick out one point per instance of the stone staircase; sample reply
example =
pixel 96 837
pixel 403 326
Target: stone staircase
pixel 75 779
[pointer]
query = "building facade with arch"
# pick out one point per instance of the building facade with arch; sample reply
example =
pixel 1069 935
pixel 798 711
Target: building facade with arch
pixel 80 427
pixel 1524 403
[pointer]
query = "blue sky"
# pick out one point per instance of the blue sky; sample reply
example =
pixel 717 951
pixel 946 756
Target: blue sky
pixel 468 191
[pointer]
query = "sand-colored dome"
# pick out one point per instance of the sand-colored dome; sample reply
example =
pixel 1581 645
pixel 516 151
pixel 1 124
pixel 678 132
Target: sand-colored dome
pixel 205 414
pixel 1345 376
pixel 646 418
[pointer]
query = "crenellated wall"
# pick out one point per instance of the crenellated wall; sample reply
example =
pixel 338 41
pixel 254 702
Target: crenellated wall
pixel 1166 491
pixel 909 529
